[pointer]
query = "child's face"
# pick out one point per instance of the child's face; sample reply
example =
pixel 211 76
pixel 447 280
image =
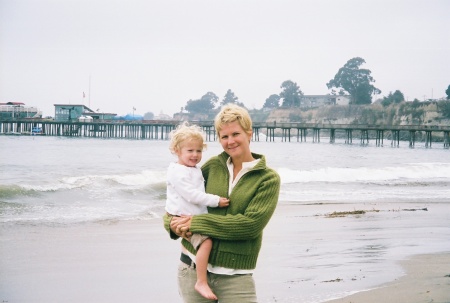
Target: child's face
pixel 190 152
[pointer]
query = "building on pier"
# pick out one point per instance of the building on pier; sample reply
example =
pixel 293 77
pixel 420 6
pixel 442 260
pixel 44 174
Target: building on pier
pixel 73 112
pixel 18 110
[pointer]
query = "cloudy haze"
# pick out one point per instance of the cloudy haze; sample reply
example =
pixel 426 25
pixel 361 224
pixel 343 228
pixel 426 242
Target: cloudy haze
pixel 157 55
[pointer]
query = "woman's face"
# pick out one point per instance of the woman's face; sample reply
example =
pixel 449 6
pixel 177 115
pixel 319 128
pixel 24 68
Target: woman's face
pixel 235 141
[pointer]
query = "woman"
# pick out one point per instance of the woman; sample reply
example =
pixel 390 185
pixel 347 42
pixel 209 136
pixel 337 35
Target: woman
pixel 253 190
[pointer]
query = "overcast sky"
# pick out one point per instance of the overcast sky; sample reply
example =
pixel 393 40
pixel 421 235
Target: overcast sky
pixel 157 55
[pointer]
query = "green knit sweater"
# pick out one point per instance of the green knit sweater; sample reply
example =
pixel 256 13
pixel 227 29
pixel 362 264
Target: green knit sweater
pixel 237 229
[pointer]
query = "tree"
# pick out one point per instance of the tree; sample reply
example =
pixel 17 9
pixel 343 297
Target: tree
pixel 202 106
pixel 341 92
pixel 444 108
pixel 398 97
pixel 272 102
pixel 229 98
pixel 393 98
pixel 448 92
pixel 291 94
pixel 149 116
pixel 211 97
pixel 357 82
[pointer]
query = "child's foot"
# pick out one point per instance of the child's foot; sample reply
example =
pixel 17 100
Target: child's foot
pixel 205 291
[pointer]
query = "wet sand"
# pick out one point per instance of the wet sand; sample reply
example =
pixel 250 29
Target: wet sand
pixel 427 279
pixel 136 262
pixel 111 262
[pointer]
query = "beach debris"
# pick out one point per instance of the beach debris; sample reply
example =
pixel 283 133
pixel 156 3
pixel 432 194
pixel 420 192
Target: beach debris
pixel 415 209
pixel 338 214
pixel 410 209
pixel 335 280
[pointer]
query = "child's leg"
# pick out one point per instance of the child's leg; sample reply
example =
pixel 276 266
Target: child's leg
pixel 201 262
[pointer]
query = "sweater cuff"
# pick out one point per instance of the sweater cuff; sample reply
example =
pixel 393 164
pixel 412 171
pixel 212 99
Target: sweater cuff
pixel 166 221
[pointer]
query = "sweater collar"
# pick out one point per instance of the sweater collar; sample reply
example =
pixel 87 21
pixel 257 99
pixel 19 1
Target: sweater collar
pixel 260 165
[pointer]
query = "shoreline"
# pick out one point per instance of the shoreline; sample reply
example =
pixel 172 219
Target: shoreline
pixel 426 279
pixel 135 261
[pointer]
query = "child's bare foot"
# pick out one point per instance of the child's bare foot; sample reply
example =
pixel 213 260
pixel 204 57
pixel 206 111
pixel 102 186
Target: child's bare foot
pixel 204 290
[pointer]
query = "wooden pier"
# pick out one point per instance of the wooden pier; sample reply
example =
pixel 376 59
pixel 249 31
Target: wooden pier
pixel 159 130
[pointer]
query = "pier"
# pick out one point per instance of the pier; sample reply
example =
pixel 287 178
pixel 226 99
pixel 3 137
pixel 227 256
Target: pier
pixel 285 132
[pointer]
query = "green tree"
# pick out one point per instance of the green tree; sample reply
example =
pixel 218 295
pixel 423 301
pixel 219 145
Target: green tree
pixel 341 92
pixel 448 92
pixel 291 94
pixel 229 97
pixel 444 108
pixel 398 97
pixel 272 102
pixel 356 81
pixel 203 105
pixel 149 116
pixel 416 103
pixel 393 98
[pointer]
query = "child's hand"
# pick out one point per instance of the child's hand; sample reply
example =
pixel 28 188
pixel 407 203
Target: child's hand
pixel 224 202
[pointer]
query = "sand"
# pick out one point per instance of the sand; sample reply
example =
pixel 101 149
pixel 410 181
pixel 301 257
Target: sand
pixel 114 262
pixel 427 280
pixel 136 262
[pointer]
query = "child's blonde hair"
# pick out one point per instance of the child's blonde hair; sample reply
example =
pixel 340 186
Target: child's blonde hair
pixel 185 132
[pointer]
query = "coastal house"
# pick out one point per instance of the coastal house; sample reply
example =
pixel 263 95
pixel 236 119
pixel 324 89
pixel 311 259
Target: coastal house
pixel 18 110
pixel 162 116
pixel 312 101
pixel 74 112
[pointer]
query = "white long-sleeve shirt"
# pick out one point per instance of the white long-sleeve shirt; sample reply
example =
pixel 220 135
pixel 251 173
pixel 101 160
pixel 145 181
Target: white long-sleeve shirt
pixel 186 191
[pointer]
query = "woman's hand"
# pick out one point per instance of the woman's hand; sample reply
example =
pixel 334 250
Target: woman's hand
pixel 181 225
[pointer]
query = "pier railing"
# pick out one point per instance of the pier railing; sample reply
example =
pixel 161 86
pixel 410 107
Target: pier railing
pixel 285 131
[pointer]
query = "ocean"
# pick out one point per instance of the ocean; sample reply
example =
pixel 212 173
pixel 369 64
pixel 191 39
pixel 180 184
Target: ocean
pixel 60 182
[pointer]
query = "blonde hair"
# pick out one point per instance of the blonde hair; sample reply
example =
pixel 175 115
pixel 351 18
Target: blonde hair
pixel 230 113
pixel 185 132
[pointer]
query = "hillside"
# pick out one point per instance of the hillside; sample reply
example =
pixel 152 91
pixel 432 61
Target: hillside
pixel 405 113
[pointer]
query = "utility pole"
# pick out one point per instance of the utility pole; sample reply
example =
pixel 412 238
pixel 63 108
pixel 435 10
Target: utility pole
pixel 89 92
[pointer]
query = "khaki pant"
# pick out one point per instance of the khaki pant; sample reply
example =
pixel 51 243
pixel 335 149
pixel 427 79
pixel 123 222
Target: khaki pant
pixel 229 289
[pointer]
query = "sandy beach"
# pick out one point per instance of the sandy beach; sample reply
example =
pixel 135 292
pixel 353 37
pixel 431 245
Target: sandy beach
pixel 134 261
pixel 111 262
pixel 427 279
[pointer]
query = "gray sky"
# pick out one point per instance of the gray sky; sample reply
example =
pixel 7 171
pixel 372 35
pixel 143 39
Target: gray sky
pixel 157 55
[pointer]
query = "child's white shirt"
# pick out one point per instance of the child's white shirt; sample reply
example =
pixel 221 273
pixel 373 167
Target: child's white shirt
pixel 186 191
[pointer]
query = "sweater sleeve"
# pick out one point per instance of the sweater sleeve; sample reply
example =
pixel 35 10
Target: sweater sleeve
pixel 166 222
pixel 249 223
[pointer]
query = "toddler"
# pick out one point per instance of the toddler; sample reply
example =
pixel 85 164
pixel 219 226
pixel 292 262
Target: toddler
pixel 186 194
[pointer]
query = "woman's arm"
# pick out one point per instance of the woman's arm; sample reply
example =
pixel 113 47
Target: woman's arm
pixel 254 202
